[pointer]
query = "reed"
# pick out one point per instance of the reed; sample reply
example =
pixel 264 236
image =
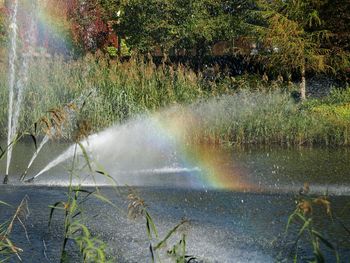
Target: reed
pixel 175 253
pixel 308 233
pixel 90 247
pixel 8 248
pixel 123 89
pixel 262 113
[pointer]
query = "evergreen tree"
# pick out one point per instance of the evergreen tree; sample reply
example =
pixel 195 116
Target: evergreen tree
pixel 292 33
pixel 336 19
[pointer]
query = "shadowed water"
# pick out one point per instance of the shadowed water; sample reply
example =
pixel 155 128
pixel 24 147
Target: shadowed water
pixel 224 226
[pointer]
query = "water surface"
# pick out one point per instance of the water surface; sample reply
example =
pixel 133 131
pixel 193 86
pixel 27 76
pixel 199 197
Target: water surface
pixel 224 226
pixel 236 225
pixel 275 169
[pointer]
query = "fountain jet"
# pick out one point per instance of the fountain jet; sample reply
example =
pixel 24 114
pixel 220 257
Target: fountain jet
pixel 79 104
pixel 17 80
pixel 12 60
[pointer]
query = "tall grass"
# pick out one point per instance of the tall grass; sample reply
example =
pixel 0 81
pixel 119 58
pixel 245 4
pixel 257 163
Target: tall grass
pixel 262 112
pixel 123 89
pixel 8 249
pixel 269 117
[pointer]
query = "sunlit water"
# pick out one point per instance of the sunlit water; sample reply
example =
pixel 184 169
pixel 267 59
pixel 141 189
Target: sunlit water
pixel 227 226
pixel 271 169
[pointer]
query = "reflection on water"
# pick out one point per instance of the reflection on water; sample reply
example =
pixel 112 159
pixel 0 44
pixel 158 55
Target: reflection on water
pixel 288 168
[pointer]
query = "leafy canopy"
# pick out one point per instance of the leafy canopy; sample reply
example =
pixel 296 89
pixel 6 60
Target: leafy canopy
pixel 291 34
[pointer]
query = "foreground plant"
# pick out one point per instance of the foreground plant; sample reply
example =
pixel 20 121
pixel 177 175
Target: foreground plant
pixel 304 221
pixel 91 248
pixel 138 208
pixel 7 247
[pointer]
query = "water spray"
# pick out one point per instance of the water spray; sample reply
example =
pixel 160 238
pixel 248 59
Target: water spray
pixel 12 60
pixel 79 103
pixel 16 88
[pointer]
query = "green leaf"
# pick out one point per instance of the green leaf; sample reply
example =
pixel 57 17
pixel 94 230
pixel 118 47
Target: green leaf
pixel 290 218
pixel 4 203
pixel 53 208
pixel 151 223
pixel 325 241
pixel 152 253
pixel 86 156
pixel 169 234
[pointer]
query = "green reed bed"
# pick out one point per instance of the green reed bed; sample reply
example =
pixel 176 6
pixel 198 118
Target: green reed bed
pixel 270 117
pixel 123 89
pixel 241 110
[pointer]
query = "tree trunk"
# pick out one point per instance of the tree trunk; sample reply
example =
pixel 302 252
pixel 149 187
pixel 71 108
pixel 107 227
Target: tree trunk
pixel 119 41
pixel 303 84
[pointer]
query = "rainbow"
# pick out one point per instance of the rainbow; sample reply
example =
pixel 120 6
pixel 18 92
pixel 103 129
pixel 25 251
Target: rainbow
pixel 177 132
pixel 217 167
pixel 179 128
pixel 52 26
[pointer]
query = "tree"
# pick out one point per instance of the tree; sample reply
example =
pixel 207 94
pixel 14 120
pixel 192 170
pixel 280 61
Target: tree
pixel 110 9
pixel 211 21
pixel 144 23
pixel 178 24
pixel 54 34
pixel 89 29
pixel 336 19
pixel 3 13
pixel 292 33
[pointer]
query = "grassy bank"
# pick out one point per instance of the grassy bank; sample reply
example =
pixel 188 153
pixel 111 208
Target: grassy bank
pixel 248 109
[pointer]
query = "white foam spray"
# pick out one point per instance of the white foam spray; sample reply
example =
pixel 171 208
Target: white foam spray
pixel 18 78
pixel 78 103
pixel 12 66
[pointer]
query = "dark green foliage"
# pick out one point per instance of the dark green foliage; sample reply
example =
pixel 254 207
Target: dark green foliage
pixel 336 20
pixel 178 25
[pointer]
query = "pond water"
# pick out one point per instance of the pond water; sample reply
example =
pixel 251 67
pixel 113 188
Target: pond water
pixel 257 169
pixel 243 223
